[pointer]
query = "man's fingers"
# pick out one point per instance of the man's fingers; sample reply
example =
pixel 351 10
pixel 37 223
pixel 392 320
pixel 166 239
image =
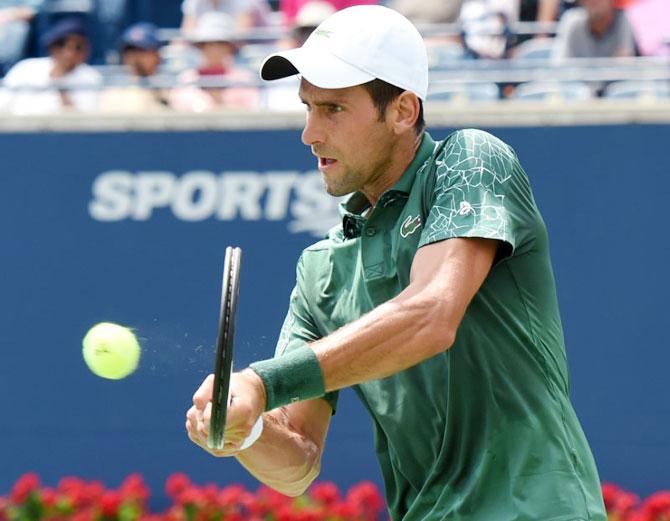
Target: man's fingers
pixel 207 414
pixel 192 418
pixel 204 393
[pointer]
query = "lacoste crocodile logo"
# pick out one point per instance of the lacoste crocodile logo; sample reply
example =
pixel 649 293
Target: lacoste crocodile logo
pixel 323 32
pixel 410 225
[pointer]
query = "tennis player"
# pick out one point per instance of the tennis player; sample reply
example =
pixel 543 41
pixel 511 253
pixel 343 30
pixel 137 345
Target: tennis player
pixel 434 298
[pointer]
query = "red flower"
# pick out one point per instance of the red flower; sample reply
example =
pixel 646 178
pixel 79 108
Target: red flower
pixel 234 496
pixel 366 497
pixel 626 504
pixel 190 496
pixel 177 483
pixel 635 516
pixel 4 504
pixel 83 515
pixel 344 511
pixel 312 514
pixel 74 490
pixel 24 486
pixel 49 497
pixel 610 494
pixel 91 492
pixel 133 487
pixel 110 503
pixel 325 493
pixel 272 499
pixel 285 513
pixel 657 506
pixel 619 501
pixel 210 493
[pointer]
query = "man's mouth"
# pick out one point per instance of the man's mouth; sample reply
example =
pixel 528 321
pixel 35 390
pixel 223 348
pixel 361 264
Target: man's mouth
pixel 326 161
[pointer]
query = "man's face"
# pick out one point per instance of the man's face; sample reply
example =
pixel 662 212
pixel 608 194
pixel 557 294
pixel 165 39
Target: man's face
pixel 597 7
pixel 344 130
pixel 70 52
pixel 217 54
pixel 142 62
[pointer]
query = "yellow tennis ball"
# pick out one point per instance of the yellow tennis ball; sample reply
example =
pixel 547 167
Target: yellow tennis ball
pixel 111 351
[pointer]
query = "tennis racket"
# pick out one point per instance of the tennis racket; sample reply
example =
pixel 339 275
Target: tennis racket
pixel 223 366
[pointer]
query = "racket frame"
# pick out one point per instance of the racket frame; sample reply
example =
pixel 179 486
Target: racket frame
pixel 223 366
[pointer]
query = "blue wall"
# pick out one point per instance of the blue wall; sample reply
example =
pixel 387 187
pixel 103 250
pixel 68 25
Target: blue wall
pixel 131 228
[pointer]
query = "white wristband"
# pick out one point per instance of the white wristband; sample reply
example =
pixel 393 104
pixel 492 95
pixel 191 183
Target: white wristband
pixel 256 432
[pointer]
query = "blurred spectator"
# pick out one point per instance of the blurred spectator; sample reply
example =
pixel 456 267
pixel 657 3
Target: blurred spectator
pixel 596 29
pixel 282 95
pixel 137 90
pixel 485 31
pixel 651 23
pixel 14 30
pixel 527 10
pixel 59 81
pixel 245 13
pixel 290 8
pixel 111 18
pixel 539 10
pixel 214 36
pixel 523 10
pixel 309 17
pixel 428 11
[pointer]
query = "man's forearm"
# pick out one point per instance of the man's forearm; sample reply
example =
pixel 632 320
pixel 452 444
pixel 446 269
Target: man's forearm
pixel 282 458
pixel 393 337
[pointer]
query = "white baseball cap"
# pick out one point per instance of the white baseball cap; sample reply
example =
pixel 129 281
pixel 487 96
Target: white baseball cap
pixel 213 27
pixel 354 46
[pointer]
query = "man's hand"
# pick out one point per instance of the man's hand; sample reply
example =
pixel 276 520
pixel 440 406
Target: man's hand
pixel 247 403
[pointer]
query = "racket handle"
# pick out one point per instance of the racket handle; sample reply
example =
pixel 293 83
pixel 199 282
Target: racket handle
pixel 256 432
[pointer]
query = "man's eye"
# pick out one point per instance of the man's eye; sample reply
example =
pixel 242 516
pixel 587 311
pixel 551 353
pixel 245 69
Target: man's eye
pixel 335 108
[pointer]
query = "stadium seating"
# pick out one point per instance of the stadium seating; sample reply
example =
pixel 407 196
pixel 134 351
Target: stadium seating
pixel 553 91
pixel 535 49
pixel 444 55
pixel 464 92
pixel 637 90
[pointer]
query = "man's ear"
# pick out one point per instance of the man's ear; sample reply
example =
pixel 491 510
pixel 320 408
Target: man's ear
pixel 406 108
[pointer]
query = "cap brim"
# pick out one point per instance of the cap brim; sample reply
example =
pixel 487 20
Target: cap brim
pixel 317 66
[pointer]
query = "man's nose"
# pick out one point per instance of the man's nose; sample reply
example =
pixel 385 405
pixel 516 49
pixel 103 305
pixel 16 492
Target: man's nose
pixel 312 134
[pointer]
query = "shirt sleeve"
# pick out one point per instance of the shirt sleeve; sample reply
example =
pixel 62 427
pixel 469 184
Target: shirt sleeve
pixel 299 328
pixel 481 191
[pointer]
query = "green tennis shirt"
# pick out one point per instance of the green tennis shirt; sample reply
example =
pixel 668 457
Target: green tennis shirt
pixel 484 431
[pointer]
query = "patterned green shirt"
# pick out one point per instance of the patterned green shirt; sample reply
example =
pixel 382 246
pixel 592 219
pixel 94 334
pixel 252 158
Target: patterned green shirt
pixel 484 431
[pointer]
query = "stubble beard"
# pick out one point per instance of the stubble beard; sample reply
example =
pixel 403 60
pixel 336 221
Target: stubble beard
pixel 348 184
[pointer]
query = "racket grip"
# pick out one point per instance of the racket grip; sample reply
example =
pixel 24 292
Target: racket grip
pixel 256 432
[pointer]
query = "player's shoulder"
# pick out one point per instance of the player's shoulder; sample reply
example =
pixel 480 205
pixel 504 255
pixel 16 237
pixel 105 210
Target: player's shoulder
pixel 474 137
pixel 313 260
pixel 467 143
pixel 334 237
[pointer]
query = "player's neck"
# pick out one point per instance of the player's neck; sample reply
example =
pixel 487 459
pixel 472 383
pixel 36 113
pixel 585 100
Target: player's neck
pixel 401 157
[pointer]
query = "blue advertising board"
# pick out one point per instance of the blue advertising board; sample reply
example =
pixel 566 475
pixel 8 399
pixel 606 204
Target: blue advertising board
pixel 132 227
